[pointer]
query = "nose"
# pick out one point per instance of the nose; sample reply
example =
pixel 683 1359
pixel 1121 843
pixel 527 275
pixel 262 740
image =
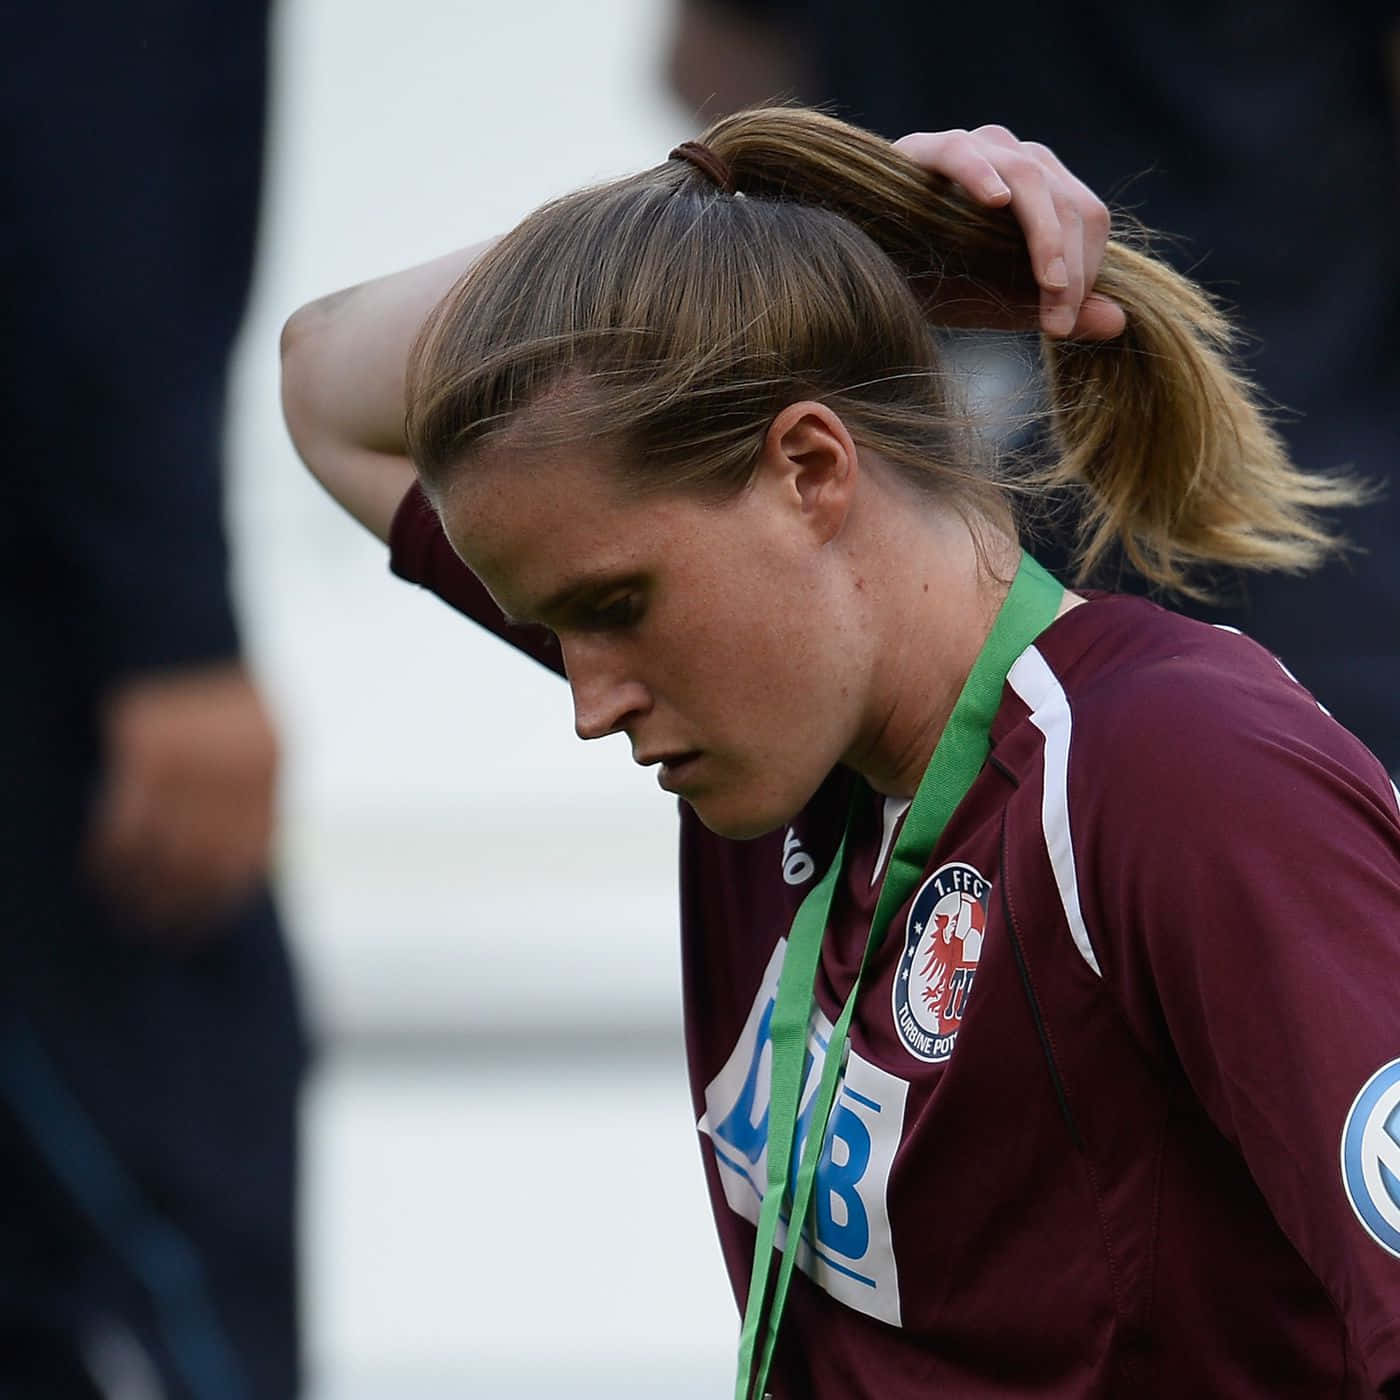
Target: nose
pixel 606 698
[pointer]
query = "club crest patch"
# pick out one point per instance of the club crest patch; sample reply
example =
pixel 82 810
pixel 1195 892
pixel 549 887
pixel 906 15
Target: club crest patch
pixel 942 945
pixel 1371 1157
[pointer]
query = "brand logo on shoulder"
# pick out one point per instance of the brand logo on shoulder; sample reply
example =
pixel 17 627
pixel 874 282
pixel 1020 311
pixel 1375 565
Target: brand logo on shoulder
pixel 1371 1157
pixel 942 946
pixel 798 866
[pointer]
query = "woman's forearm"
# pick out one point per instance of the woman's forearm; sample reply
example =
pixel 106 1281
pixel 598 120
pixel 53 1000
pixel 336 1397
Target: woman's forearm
pixel 343 362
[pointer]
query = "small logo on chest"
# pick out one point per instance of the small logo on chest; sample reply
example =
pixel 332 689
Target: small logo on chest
pixel 942 945
pixel 798 866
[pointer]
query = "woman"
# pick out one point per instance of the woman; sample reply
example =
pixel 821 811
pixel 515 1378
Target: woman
pixel 693 423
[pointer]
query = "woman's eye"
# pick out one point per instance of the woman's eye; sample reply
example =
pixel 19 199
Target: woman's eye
pixel 620 612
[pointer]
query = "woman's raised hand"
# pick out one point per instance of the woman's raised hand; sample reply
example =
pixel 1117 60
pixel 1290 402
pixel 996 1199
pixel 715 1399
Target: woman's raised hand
pixel 1065 222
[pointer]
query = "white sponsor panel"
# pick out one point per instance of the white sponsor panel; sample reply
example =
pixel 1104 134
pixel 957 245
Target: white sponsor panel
pixel 852 1256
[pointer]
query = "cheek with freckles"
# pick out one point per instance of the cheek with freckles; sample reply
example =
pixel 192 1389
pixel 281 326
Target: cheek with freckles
pixel 768 704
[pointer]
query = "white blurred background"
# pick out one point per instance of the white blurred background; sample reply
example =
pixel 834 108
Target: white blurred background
pixel 502 1192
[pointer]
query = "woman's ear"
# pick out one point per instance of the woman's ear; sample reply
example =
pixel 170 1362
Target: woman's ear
pixel 809 459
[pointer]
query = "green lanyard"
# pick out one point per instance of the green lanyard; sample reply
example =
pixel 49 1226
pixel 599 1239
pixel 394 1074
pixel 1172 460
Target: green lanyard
pixel 1029 609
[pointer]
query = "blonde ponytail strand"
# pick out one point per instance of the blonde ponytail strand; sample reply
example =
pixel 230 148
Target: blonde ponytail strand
pixel 1177 461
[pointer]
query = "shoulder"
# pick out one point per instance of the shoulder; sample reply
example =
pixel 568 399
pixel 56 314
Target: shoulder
pixel 1165 765
pixel 1152 708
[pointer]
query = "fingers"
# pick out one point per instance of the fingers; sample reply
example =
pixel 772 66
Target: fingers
pixel 1084 223
pixel 960 157
pixel 1053 232
pixel 1066 226
pixel 1099 319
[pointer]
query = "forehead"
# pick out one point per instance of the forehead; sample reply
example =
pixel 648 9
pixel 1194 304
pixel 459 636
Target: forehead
pixel 529 523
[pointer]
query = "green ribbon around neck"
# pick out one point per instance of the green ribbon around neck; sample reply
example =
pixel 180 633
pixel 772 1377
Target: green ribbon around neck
pixel 1029 608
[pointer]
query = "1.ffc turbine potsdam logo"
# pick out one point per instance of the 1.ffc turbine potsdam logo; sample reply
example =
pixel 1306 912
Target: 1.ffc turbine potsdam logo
pixel 942 944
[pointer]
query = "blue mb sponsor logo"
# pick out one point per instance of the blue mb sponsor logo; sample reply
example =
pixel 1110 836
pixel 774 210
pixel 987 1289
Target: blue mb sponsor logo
pixel 845 1245
pixel 1371 1157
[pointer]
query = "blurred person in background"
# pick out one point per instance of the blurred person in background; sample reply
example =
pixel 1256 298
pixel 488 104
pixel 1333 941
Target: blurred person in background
pixel 1195 115
pixel 150 1042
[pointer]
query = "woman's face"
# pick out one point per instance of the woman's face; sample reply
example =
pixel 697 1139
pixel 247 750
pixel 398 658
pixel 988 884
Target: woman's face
pixel 722 638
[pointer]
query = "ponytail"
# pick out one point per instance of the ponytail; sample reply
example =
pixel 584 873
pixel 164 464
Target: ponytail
pixel 1175 459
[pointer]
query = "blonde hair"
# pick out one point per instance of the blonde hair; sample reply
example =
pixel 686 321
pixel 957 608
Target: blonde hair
pixel 677 320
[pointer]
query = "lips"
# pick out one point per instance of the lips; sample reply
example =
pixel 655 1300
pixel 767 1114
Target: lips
pixel 664 756
pixel 676 766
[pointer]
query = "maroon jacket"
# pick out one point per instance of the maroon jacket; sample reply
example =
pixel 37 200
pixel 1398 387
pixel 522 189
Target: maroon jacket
pixel 1155 1150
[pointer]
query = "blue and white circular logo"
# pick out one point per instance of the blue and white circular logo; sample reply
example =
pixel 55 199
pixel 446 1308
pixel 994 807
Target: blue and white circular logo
pixel 1371 1157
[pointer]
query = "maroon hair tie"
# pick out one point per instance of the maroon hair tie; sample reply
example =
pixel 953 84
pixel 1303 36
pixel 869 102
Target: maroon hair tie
pixel 704 159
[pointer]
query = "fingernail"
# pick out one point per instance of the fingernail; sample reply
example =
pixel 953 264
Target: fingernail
pixel 1057 275
pixel 995 189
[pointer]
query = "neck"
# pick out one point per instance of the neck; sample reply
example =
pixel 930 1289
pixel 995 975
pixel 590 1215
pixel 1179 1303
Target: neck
pixel 936 606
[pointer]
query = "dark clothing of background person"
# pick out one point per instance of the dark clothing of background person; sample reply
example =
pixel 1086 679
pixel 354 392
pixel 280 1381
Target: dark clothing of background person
pixel 1261 138
pixel 147 1093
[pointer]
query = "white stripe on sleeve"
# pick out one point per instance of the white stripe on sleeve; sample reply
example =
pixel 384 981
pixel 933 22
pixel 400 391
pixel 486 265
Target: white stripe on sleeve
pixel 1033 680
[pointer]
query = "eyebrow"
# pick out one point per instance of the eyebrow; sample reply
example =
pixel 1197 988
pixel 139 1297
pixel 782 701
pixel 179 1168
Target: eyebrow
pixel 569 595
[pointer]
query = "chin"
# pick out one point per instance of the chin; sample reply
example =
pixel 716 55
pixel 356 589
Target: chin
pixel 737 820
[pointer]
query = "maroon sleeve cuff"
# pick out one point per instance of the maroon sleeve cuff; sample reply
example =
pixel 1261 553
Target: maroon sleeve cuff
pixel 420 553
